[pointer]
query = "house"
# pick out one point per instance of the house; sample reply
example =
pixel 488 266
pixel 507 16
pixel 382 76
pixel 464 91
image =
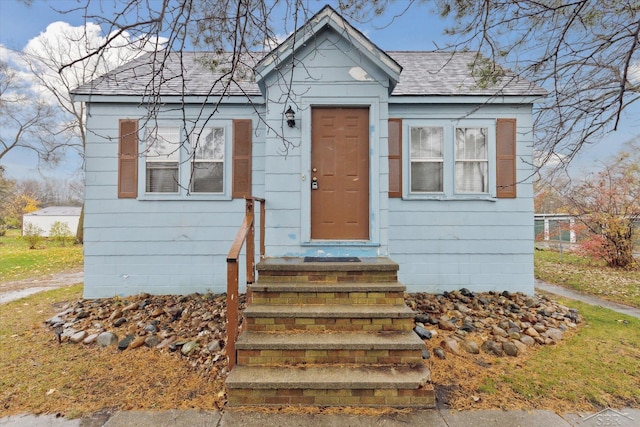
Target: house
pixel 405 155
pixel 45 218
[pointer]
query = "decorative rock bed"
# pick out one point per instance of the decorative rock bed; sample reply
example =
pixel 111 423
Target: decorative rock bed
pixel 496 323
pixel 193 326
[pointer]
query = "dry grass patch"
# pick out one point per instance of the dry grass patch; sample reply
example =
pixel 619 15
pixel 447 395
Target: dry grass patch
pixel 41 376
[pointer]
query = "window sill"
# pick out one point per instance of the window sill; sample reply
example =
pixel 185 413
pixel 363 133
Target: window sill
pixel 446 198
pixel 338 243
pixel 184 197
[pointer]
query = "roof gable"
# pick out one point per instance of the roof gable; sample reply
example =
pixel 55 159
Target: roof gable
pixel 327 18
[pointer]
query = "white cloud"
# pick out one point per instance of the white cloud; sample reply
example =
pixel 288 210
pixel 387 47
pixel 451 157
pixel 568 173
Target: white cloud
pixel 39 78
pixel 546 159
pixel 634 73
pixel 272 43
pixel 44 57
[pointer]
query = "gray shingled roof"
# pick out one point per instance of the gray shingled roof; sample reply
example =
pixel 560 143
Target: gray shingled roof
pixel 423 74
pixel 180 73
pixel 446 73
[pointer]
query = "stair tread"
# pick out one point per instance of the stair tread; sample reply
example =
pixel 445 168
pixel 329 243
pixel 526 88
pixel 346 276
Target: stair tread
pixel 328 377
pixel 327 341
pixel 328 287
pixel 298 264
pixel 331 311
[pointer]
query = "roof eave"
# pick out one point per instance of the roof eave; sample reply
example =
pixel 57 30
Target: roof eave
pixel 256 99
pixel 465 99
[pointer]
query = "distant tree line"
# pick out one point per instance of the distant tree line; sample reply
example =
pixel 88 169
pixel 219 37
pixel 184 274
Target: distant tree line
pixel 19 197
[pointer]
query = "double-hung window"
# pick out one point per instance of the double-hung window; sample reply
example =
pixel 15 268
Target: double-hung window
pixel 427 159
pixel 207 161
pixel 472 163
pixel 175 162
pixel 456 159
pixel 163 160
pixel 448 159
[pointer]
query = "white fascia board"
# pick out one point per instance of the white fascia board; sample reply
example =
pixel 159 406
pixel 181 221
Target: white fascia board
pixel 461 99
pixel 135 99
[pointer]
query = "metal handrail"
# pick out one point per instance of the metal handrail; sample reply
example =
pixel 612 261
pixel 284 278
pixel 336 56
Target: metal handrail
pixel 245 233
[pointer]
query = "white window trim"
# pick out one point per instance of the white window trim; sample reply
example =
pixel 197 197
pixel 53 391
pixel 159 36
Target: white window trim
pixel 449 126
pixel 184 165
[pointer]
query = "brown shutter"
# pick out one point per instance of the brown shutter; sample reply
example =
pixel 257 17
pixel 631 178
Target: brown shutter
pixel 506 158
pixel 241 158
pixel 395 157
pixel 128 159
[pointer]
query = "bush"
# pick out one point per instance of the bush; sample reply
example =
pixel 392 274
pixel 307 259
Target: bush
pixel 614 243
pixel 61 233
pixel 32 234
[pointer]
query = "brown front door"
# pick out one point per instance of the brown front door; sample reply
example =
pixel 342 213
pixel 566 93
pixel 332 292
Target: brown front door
pixel 340 166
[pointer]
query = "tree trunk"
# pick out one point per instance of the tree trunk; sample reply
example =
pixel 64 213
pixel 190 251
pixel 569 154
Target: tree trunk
pixel 80 230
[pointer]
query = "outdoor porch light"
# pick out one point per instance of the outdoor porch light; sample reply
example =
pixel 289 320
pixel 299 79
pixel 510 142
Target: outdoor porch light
pixel 290 115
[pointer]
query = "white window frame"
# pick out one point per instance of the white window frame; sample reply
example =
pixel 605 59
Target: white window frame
pixel 184 163
pixel 449 159
pixel 196 150
pixel 461 160
pixel 417 160
pixel 170 154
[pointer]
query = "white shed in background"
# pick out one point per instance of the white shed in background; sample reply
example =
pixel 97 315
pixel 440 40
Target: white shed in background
pixel 45 218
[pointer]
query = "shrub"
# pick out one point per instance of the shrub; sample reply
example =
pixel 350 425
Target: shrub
pixel 61 233
pixel 32 234
pixel 614 241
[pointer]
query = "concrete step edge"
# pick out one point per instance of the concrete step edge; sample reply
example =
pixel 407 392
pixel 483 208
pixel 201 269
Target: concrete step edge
pixel 328 377
pixel 380 264
pixel 330 311
pixel 328 287
pixel 408 340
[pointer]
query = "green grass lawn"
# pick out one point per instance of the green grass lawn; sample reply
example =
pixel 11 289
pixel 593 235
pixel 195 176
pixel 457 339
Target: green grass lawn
pixel 587 276
pixel 41 376
pixel 597 366
pixel 17 261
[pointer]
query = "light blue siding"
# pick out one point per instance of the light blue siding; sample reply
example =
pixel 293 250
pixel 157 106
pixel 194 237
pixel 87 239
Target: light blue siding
pixel 479 244
pixel 155 246
pixel 178 244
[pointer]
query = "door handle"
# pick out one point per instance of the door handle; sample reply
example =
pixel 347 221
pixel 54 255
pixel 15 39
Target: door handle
pixel 314 183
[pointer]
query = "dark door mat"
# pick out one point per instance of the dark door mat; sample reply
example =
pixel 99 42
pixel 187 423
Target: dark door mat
pixel 331 259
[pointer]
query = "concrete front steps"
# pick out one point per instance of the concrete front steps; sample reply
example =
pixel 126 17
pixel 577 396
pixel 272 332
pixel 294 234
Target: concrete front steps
pixel 329 334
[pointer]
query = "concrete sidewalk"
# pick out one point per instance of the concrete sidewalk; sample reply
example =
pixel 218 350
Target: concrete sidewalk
pixel 568 293
pixel 17 289
pixel 437 418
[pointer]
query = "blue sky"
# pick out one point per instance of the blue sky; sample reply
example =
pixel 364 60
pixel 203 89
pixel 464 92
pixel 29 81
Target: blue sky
pixel 419 29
